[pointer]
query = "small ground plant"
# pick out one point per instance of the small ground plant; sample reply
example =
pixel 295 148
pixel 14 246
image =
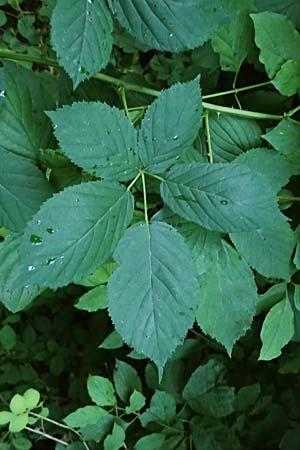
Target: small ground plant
pixel 150 232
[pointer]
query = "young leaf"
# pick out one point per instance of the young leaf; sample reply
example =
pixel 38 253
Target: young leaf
pixel 233 41
pixel 166 287
pixel 277 330
pixel 31 398
pixel 231 136
pixel 17 404
pixel 224 280
pixel 82 417
pixel 136 402
pixel 285 138
pixel 14 298
pixel 99 138
pixel 112 341
pixel 221 197
pixel 101 391
pixel 18 423
pixel 24 128
pixel 23 188
pixel 5 417
pixel 8 338
pixel 153 441
pixel 278 42
pixel 170 125
pixel 126 380
pixel 169 26
pixel 93 300
pixel 115 440
pixel 206 392
pixel 287 80
pixel 56 253
pixel 81 37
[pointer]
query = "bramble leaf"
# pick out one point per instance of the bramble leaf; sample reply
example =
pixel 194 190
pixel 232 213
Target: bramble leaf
pixel 220 197
pixel 166 287
pixel 170 126
pixel 171 26
pixel 82 37
pixel 54 253
pixel 99 138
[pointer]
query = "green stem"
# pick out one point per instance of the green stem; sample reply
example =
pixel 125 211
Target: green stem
pixel 145 198
pixel 237 90
pixel 124 101
pixel 208 138
pixel 14 56
pixel 288 199
pixel 293 111
pixel 154 176
pixel 47 436
pixel 133 181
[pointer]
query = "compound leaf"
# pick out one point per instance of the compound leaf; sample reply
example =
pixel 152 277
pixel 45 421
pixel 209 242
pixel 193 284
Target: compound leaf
pixel 23 188
pixel 99 138
pixel 166 287
pixel 56 253
pixel 220 197
pixel 170 126
pixel 171 26
pixel 82 36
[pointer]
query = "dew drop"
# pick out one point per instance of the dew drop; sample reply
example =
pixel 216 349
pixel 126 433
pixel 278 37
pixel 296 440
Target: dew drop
pixel 224 202
pixel 171 35
pixel 51 261
pixel 31 268
pixel 2 94
pixel 50 230
pixel 175 137
pixel 35 239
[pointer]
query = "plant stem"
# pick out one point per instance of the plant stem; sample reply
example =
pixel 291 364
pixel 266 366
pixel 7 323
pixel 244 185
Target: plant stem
pixel 124 101
pixel 237 90
pixel 47 436
pixel 154 176
pixel 293 111
pixel 133 181
pixel 210 154
pixel 145 198
pixel 287 198
pixel 14 56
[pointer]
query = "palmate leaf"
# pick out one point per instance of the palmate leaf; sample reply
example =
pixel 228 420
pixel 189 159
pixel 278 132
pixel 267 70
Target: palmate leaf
pixel 23 188
pixel 228 292
pixel 99 138
pixel 170 126
pixel 220 197
pixel 233 41
pixel 24 127
pixel 81 36
pixel 170 25
pixel 75 232
pixel 153 311
pixel 13 298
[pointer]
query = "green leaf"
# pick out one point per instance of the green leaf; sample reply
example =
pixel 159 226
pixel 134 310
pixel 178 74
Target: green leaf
pixel 8 338
pixel 126 380
pixel 31 398
pixel 23 188
pixel 246 397
pixel 93 300
pixel 166 287
pixel 112 341
pixel 136 402
pixel 165 133
pixel 285 138
pixel 231 136
pixel 277 330
pixel 221 197
pixel 162 409
pixel 169 26
pixel 99 138
pixel 270 164
pixel 287 80
pixel 17 404
pixel 206 392
pixel 21 443
pixel 291 8
pixel 152 441
pixel 100 276
pixel 55 253
pixel 101 391
pixel 297 252
pixel 211 434
pixel 24 128
pixel 18 423
pixel 115 440
pixel 269 298
pixel 233 41
pixel 81 37
pixel 82 417
pixel 5 417
pixel 14 298
pixel 268 249
pixel 224 279
pixel 278 42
